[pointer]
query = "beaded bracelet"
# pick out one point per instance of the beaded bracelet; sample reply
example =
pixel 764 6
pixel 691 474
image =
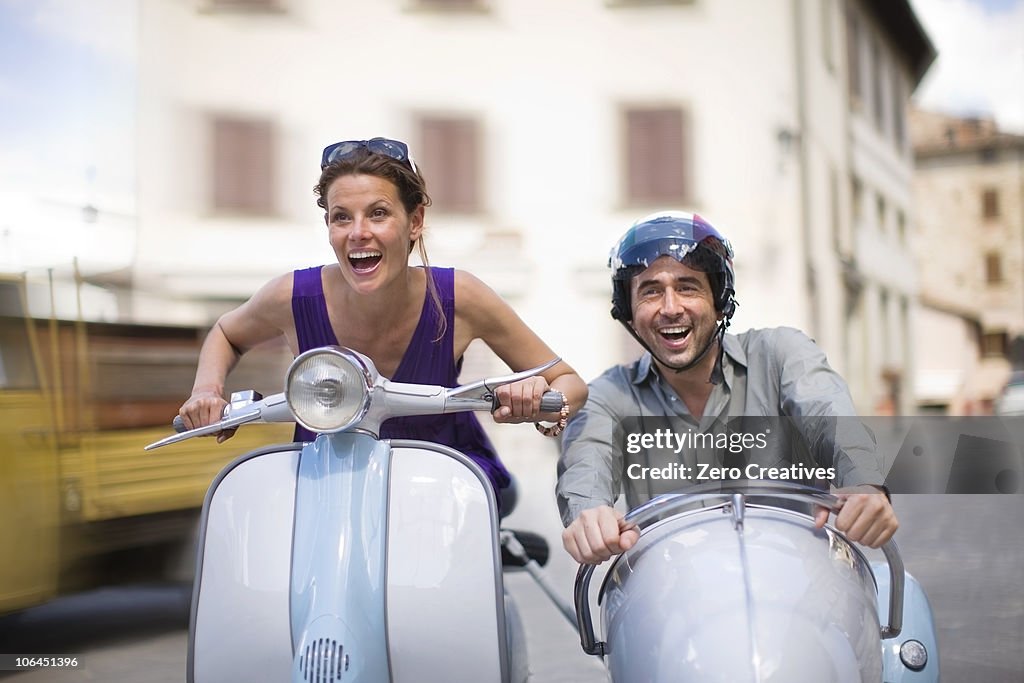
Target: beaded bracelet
pixel 563 417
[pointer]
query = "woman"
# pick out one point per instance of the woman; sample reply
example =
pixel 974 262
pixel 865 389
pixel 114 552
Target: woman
pixel 415 323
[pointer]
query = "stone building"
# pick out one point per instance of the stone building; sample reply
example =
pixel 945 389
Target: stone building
pixel 969 188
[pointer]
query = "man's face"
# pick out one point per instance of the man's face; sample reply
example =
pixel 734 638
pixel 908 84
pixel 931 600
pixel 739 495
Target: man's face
pixel 673 310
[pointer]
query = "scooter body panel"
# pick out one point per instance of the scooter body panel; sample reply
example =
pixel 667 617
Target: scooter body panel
pixel 445 613
pixel 240 625
pixel 701 600
pixel 918 624
pixel 352 561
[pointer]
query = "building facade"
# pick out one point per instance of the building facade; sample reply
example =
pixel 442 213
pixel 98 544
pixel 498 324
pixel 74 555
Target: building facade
pixel 969 187
pixel 544 130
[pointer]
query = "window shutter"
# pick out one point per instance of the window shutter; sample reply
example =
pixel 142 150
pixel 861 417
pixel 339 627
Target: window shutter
pixel 656 155
pixel 243 165
pixel 451 4
pixel 242 5
pixel 993 268
pixel 853 59
pixel 450 152
pixel 990 204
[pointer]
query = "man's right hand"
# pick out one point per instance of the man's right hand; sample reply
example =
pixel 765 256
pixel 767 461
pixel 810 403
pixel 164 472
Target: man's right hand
pixel 597 534
pixel 204 408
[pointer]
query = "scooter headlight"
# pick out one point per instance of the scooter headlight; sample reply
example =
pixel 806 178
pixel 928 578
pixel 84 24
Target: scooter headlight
pixel 328 389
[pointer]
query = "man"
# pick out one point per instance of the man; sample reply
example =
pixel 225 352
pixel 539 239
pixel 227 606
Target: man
pixel 673 290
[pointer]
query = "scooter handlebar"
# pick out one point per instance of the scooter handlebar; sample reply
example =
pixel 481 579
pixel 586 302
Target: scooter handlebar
pixel 245 410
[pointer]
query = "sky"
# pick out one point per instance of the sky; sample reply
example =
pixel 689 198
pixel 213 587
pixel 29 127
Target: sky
pixel 67 88
pixel 67 118
pixel 980 67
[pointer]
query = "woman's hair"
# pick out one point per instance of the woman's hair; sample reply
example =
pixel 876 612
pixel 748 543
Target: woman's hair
pixel 412 192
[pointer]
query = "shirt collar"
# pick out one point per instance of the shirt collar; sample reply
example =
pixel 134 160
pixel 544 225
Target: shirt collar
pixel 734 351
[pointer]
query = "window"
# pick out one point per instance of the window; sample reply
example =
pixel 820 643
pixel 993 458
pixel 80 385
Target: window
pixel 993 268
pixel 614 3
pixel 17 366
pixel 884 320
pixel 880 210
pixel 241 5
pixel 856 199
pixel 827 20
pixel 853 60
pixel 901 226
pixel 655 155
pixel 993 344
pixel 449 153
pixel 833 209
pixel 877 91
pixel 450 4
pixel 138 369
pixel 899 111
pixel 243 165
pixel 990 203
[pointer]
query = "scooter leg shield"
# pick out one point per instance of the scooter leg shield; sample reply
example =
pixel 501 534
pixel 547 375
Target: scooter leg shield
pixel 239 626
pixel 446 617
pixel 358 561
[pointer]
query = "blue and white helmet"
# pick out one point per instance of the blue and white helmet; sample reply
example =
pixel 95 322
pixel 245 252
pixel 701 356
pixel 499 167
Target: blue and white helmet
pixel 687 238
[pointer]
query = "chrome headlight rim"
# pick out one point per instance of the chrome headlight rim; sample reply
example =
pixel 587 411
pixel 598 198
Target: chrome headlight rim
pixel 356 361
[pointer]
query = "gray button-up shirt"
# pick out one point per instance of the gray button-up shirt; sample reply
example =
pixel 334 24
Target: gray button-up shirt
pixel 779 397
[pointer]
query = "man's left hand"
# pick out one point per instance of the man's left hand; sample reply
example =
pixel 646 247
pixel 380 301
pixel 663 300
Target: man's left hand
pixel 865 518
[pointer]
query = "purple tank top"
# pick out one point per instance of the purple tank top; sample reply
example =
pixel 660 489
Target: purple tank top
pixel 426 361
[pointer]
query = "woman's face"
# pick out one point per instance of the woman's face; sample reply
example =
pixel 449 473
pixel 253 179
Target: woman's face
pixel 370 230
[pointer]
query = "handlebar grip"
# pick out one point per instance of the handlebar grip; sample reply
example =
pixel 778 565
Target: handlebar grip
pixel 551 401
pixel 178 424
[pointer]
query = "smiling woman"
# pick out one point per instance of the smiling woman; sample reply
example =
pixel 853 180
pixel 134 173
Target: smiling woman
pixel 415 323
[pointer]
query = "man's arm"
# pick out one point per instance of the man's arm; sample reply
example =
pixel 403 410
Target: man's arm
pixel 589 468
pixel 819 401
pixel 590 477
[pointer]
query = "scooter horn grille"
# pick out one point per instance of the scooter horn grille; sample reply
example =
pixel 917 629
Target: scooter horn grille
pixel 323 661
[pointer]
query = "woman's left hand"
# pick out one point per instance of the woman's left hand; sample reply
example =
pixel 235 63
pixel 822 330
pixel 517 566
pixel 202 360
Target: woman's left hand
pixel 520 401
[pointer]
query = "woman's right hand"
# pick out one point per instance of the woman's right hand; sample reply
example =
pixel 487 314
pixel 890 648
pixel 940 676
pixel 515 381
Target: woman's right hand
pixel 204 408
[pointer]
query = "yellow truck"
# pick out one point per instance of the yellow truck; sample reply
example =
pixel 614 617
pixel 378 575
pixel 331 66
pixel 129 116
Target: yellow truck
pixel 81 504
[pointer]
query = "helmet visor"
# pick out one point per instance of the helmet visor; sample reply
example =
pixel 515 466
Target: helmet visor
pixel 673 234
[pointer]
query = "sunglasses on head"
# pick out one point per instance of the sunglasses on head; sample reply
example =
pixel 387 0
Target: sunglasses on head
pixel 394 149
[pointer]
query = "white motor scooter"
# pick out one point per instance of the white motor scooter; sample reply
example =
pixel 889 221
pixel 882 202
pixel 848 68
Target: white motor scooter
pixel 351 558
pixel 359 560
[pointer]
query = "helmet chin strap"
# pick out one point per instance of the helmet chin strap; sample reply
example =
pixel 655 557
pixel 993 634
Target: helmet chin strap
pixel 717 375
